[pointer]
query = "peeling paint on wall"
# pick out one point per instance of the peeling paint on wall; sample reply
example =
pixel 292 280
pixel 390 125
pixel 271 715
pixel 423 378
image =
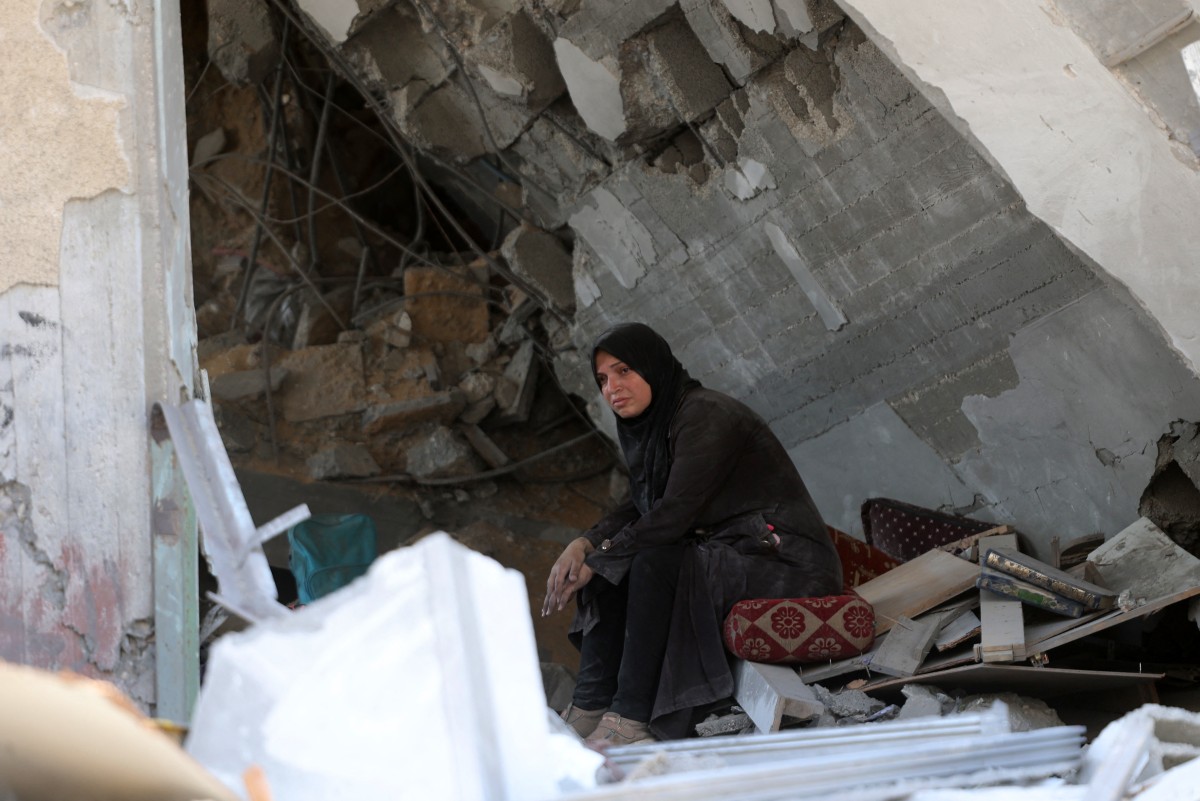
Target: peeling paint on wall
pixel 57 142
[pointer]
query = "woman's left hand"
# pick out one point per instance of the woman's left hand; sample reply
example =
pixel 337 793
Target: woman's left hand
pixel 568 575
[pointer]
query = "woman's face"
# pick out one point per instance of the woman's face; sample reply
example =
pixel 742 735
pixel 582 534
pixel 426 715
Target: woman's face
pixel 622 387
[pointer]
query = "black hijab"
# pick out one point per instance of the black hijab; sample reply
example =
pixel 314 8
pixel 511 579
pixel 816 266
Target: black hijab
pixel 644 438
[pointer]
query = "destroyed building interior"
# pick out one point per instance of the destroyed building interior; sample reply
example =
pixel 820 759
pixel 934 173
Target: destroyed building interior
pixel 279 264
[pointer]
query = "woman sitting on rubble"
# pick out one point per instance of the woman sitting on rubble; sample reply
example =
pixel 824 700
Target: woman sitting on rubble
pixel 718 514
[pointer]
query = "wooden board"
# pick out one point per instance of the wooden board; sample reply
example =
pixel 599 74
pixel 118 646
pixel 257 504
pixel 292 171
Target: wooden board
pixel 1039 682
pixel 917 586
pixel 768 692
pixel 1051 635
pixel 963 627
pixel 1002 623
pixel 1143 560
pixel 906 645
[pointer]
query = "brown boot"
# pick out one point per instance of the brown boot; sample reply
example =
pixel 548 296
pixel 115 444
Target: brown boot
pixel 616 730
pixel 583 721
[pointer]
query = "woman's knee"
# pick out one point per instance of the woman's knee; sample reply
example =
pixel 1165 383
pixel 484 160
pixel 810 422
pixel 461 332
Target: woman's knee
pixel 656 566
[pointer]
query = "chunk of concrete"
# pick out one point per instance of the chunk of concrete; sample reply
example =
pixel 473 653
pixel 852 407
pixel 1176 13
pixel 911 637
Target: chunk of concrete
pixel 541 259
pixel 924 702
pixel 442 407
pixel 620 239
pixel 517 60
pixel 723 39
pixel 485 447
pixel 595 88
pixel 1024 714
pixel 441 454
pixel 242 43
pixel 442 303
pixel 247 384
pixel 694 85
pixel 847 703
pixel 326 381
pixel 757 15
pixel 515 389
pixel 476 386
pixel 343 460
pixel 395 329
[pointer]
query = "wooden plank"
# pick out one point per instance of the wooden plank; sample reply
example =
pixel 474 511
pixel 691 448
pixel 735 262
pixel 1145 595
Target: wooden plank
pixel 1039 682
pixel 1145 562
pixel 1002 623
pixel 906 645
pixel 811 674
pixel 968 547
pixel 1048 636
pixel 961 628
pixel 768 692
pixel 917 586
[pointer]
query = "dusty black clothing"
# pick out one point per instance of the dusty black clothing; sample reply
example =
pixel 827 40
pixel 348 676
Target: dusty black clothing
pixel 731 491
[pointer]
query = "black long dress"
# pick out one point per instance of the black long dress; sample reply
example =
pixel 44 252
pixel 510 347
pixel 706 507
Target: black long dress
pixel 751 529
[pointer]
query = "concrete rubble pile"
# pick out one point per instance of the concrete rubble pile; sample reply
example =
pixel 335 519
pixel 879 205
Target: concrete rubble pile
pixel 410 393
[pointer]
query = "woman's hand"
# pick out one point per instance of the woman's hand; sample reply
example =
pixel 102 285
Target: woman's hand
pixel 567 576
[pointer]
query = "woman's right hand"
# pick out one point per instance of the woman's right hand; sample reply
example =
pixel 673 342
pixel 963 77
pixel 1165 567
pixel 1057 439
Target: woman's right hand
pixel 567 576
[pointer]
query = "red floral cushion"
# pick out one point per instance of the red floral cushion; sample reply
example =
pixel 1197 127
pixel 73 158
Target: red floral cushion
pixel 799 630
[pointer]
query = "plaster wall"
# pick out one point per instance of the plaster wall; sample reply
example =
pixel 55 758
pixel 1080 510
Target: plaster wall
pixel 95 326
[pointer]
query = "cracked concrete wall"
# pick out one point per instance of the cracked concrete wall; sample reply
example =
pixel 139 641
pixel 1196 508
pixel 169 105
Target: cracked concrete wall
pixel 1068 113
pixel 92 331
pixel 824 238
pixel 873 303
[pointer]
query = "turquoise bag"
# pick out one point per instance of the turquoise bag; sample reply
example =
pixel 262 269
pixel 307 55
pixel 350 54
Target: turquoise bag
pixel 330 551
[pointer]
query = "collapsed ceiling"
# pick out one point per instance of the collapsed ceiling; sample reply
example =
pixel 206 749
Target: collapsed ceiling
pixel 430 208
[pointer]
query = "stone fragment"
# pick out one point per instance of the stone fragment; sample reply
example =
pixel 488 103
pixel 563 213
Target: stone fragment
pixel 443 407
pixel 246 384
pixel 241 40
pixel 513 330
pixel 481 352
pixel 924 702
pixel 694 85
pixel 515 389
pixel 325 381
pixel 343 460
pixel 595 88
pixel 485 447
pixel 1024 714
pixel 848 703
pixel 757 15
pixel 476 386
pixel 733 723
pixel 559 685
pixel 441 454
pixel 395 329
pixel 541 259
pixel 517 60
pixel 740 50
pixel 477 411
pixel 455 316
